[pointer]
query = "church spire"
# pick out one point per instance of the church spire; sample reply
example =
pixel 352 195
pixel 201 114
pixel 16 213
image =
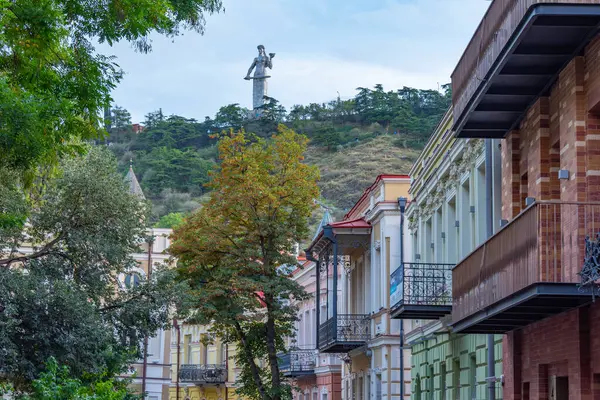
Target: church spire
pixel 326 220
pixel 134 185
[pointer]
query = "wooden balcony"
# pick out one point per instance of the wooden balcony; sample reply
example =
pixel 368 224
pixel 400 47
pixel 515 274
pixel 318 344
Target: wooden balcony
pixel 297 363
pixel 531 269
pixel 513 58
pixel 202 374
pixel 344 332
pixel 421 291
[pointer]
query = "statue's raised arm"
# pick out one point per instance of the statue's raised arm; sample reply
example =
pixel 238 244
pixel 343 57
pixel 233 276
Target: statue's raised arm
pixel 259 80
pixel 261 63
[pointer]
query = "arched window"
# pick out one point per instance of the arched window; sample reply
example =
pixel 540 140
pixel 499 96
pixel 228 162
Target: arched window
pixel 132 280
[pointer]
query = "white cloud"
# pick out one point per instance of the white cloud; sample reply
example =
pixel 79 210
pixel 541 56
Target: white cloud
pixel 322 47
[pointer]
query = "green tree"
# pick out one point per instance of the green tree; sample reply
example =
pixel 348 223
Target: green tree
pixel 56 383
pixel 232 250
pixel 231 116
pixel 121 129
pixel 171 220
pixel 61 299
pixel 54 85
pixel 327 136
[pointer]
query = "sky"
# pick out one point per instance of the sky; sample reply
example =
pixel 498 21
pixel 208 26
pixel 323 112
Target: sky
pixel 323 47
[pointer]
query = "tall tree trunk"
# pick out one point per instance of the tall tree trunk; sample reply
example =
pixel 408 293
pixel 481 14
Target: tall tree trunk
pixel 250 359
pixel 272 350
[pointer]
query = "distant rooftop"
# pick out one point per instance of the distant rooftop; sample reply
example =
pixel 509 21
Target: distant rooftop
pixel 134 185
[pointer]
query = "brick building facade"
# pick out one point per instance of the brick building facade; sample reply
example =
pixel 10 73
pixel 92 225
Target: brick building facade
pixel 560 132
pixel 531 77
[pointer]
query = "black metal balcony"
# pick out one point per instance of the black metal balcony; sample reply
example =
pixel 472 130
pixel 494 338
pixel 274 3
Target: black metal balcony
pixel 421 291
pixel 344 332
pixel 298 362
pixel 203 373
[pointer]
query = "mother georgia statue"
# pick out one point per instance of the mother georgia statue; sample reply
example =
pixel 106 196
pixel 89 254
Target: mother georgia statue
pixel 261 63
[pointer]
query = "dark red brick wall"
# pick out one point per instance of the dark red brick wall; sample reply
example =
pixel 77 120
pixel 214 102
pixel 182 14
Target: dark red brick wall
pixel 565 345
pixel 561 131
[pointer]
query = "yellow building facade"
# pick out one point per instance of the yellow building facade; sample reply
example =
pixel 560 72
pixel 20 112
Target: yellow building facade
pixel 202 366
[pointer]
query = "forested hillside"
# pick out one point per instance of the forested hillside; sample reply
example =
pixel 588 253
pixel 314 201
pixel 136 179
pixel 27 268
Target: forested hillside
pixel 352 141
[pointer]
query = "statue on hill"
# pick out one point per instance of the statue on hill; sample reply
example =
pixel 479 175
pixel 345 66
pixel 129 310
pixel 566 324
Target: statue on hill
pixel 259 90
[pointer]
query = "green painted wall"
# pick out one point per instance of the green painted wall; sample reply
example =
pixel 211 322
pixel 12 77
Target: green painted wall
pixel 464 359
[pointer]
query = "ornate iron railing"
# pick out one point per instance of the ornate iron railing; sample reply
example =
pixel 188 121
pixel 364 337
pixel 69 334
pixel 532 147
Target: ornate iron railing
pixel 422 284
pixel 203 373
pixel 298 361
pixel 346 328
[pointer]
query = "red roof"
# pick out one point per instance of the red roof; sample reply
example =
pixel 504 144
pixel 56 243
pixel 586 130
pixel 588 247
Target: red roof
pixel 373 185
pixel 354 223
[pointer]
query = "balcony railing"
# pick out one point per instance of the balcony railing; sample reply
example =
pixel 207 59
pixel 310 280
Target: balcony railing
pixel 298 362
pixel 421 290
pixel 344 332
pixel 545 246
pixel 203 373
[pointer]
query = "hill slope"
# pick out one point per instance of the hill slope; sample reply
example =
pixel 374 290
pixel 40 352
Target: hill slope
pixel 346 173
pixel 351 141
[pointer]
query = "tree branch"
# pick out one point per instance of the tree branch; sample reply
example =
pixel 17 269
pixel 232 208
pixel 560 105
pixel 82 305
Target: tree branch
pixel 46 250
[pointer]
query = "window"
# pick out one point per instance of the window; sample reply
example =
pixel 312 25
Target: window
pixel 451 233
pixel 223 353
pixel 315 396
pixel 525 390
pixel 428 251
pixel 430 382
pixel 378 387
pixel 473 377
pixel 187 345
pixel 324 396
pixel 439 243
pixel 466 233
pixel 361 388
pixel 443 381
pixel 456 378
pixel 132 280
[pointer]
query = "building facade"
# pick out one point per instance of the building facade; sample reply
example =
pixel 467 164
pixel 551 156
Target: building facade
pixel 317 376
pixel 531 77
pixel 447 220
pixel 357 324
pixel 153 375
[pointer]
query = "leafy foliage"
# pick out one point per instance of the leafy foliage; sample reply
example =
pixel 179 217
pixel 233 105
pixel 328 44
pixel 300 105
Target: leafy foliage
pixel 61 299
pixel 232 249
pixel 171 220
pixel 56 383
pixel 175 153
pixel 54 84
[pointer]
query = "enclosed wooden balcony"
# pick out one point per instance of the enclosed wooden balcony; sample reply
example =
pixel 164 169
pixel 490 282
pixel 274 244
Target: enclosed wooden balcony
pixel 513 58
pixel 202 374
pixel 297 362
pixel 542 263
pixel 344 332
pixel 421 291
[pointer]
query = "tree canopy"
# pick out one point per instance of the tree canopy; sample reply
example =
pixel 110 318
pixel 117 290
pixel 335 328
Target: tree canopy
pixel 63 298
pixel 54 85
pixel 232 250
